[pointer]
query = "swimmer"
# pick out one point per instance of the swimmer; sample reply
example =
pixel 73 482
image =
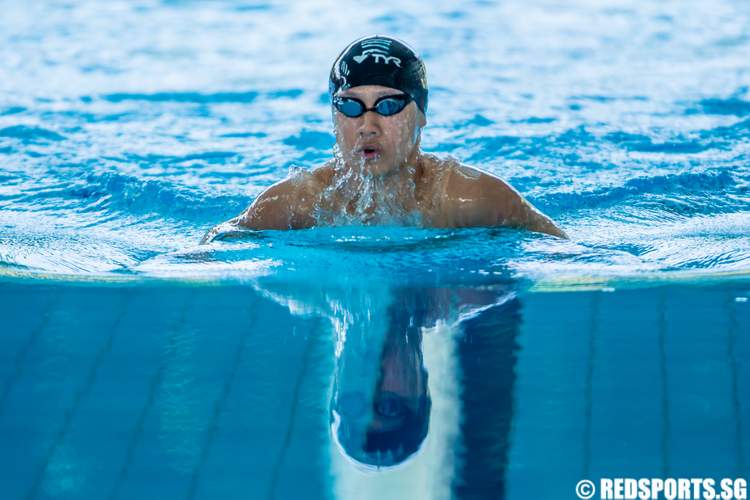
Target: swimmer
pixel 379 175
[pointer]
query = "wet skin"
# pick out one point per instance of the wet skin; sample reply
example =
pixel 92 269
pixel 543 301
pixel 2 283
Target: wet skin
pixel 386 150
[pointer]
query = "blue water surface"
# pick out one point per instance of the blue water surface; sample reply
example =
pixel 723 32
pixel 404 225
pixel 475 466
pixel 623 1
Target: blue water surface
pixel 128 129
pixel 137 363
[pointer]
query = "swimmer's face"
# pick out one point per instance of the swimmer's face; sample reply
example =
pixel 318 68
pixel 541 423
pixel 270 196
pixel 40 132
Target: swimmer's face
pixel 400 390
pixel 394 138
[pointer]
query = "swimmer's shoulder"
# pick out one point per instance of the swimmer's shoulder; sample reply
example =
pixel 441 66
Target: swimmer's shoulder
pixel 321 176
pixel 470 196
pixel 446 172
pixel 445 180
pixel 289 203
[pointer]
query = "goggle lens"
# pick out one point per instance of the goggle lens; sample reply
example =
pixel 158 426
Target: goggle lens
pixel 390 106
pixel 385 106
pixel 350 108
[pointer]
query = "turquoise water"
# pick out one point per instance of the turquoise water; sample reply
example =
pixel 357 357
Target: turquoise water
pixel 133 391
pixel 136 362
pixel 128 129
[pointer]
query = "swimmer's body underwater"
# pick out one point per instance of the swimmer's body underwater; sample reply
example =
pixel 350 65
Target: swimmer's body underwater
pixel 379 175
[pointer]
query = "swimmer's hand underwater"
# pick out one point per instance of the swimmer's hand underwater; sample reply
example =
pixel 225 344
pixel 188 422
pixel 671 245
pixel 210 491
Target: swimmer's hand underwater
pixel 379 175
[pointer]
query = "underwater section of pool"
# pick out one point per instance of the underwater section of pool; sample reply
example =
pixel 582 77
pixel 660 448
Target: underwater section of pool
pixel 370 362
pixel 265 391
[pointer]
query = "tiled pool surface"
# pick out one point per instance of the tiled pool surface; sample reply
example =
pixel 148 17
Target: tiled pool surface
pixel 201 391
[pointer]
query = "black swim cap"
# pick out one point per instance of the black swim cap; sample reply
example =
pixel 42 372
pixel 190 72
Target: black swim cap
pixel 380 60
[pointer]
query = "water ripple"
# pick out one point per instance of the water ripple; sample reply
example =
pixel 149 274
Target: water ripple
pixel 128 130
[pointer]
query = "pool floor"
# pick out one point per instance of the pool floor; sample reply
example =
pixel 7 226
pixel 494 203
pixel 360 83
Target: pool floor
pixel 191 391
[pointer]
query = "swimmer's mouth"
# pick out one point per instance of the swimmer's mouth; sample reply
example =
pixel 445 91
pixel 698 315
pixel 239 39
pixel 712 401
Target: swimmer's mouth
pixel 369 153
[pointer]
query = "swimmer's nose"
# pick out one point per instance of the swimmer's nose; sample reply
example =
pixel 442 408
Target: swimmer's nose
pixel 370 126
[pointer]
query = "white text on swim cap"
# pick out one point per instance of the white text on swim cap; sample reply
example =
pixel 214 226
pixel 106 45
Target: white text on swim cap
pixel 379 50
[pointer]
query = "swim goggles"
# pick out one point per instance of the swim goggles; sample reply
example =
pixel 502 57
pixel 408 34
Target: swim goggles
pixel 385 106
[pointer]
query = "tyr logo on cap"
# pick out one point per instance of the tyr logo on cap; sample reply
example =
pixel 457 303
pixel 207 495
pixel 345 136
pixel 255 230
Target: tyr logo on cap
pixel 379 49
pixel 380 60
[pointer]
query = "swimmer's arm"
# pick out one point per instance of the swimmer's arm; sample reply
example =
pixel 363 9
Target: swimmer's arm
pixel 288 204
pixel 278 207
pixel 480 199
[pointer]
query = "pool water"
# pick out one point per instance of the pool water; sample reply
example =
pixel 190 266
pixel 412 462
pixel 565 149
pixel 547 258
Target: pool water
pixel 360 361
pixel 183 391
